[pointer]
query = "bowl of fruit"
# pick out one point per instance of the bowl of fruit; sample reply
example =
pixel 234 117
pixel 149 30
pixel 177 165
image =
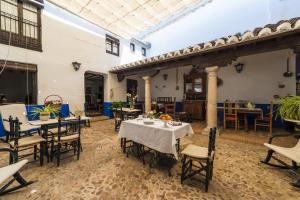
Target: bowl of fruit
pixel 165 118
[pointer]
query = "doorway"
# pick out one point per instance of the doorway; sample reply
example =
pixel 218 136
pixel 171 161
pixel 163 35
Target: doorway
pixel 132 87
pixel 94 93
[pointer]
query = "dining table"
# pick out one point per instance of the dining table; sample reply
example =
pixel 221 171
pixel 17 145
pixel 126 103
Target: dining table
pixel 245 112
pixel 158 136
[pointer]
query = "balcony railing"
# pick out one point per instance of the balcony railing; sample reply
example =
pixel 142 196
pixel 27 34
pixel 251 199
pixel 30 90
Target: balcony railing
pixel 20 32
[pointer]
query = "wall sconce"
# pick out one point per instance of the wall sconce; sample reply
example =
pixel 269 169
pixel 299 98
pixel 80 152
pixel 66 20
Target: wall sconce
pixel 165 76
pixel 239 67
pixel 76 65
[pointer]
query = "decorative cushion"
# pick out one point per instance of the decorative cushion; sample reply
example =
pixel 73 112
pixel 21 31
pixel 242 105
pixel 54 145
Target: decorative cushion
pixel 28 141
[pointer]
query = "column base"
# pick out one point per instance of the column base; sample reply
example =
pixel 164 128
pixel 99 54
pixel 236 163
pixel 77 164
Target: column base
pixel 207 129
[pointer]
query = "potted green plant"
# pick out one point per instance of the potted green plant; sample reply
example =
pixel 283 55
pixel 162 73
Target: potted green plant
pixel 289 108
pixel 78 113
pixel 45 112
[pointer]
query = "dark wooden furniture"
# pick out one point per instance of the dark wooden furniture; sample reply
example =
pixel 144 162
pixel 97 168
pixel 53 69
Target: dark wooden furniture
pixel 289 153
pixel 195 85
pixel 265 121
pixel 230 114
pixel 21 142
pixel 194 109
pixel 195 94
pixel 245 112
pixel 66 141
pixel 170 108
pixel 199 160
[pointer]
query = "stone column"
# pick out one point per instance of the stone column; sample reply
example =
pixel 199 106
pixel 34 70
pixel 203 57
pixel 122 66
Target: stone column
pixel 147 94
pixel 211 108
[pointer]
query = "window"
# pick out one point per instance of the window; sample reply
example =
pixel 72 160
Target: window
pixel 143 51
pixel 112 45
pixel 20 24
pixel 24 89
pixel 132 47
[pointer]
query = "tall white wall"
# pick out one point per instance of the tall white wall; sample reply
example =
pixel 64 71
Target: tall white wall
pixel 66 38
pixel 258 82
pixel 218 19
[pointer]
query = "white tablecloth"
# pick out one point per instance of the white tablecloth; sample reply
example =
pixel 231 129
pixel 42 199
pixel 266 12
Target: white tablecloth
pixel 155 136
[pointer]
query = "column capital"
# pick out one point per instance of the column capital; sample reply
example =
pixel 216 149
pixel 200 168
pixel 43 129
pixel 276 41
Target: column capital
pixel 211 69
pixel 146 78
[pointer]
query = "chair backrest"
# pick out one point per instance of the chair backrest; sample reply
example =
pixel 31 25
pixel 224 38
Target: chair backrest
pixel 212 141
pixel 165 100
pixel 14 130
pixel 14 110
pixel 230 108
pixel 170 108
pixel 74 127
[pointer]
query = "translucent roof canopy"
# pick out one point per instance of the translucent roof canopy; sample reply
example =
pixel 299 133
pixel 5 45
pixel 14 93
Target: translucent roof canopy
pixel 128 18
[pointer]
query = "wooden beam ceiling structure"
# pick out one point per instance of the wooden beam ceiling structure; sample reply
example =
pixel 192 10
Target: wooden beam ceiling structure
pixel 283 35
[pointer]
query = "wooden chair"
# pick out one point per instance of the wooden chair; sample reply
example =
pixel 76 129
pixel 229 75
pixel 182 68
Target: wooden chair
pixel 170 109
pixel 198 159
pixel 118 115
pixel 12 170
pixel 67 141
pixel 230 114
pixel 19 111
pixel 265 121
pixel 22 143
pixel 289 153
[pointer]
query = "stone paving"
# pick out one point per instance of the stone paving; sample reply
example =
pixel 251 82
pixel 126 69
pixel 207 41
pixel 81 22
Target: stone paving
pixel 104 172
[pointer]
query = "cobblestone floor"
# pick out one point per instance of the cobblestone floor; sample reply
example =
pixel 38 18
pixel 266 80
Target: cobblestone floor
pixel 104 172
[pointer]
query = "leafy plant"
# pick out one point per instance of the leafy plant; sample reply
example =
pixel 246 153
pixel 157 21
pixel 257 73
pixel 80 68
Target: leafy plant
pixel 52 110
pixel 116 105
pixel 289 107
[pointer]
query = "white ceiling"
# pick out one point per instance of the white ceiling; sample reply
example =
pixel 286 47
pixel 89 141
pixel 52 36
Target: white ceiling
pixel 127 18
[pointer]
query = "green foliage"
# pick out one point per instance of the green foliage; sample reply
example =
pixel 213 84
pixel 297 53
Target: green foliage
pixel 289 108
pixel 116 105
pixel 52 110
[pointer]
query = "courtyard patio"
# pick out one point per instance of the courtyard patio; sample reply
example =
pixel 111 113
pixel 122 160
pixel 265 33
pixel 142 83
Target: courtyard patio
pixel 104 172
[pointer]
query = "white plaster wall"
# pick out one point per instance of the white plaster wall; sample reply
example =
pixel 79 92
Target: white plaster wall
pixel 218 19
pixel 64 42
pixel 258 82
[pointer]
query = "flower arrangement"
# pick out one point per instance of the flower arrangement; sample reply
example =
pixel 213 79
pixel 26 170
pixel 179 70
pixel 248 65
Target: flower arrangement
pixel 132 99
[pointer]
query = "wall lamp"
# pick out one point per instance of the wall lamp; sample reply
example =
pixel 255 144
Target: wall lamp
pixel 239 67
pixel 76 65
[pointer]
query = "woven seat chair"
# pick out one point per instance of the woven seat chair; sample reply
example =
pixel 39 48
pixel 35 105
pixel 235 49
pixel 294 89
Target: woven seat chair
pixel 66 141
pixel 265 121
pixel 19 111
pixel 292 154
pixel 12 170
pixel 23 143
pixel 199 160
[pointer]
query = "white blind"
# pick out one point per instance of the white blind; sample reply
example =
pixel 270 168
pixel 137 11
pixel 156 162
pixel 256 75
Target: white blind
pixel 8 8
pixel 30 21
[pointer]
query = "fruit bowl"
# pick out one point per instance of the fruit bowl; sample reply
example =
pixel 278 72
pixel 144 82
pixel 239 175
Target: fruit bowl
pixel 165 118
